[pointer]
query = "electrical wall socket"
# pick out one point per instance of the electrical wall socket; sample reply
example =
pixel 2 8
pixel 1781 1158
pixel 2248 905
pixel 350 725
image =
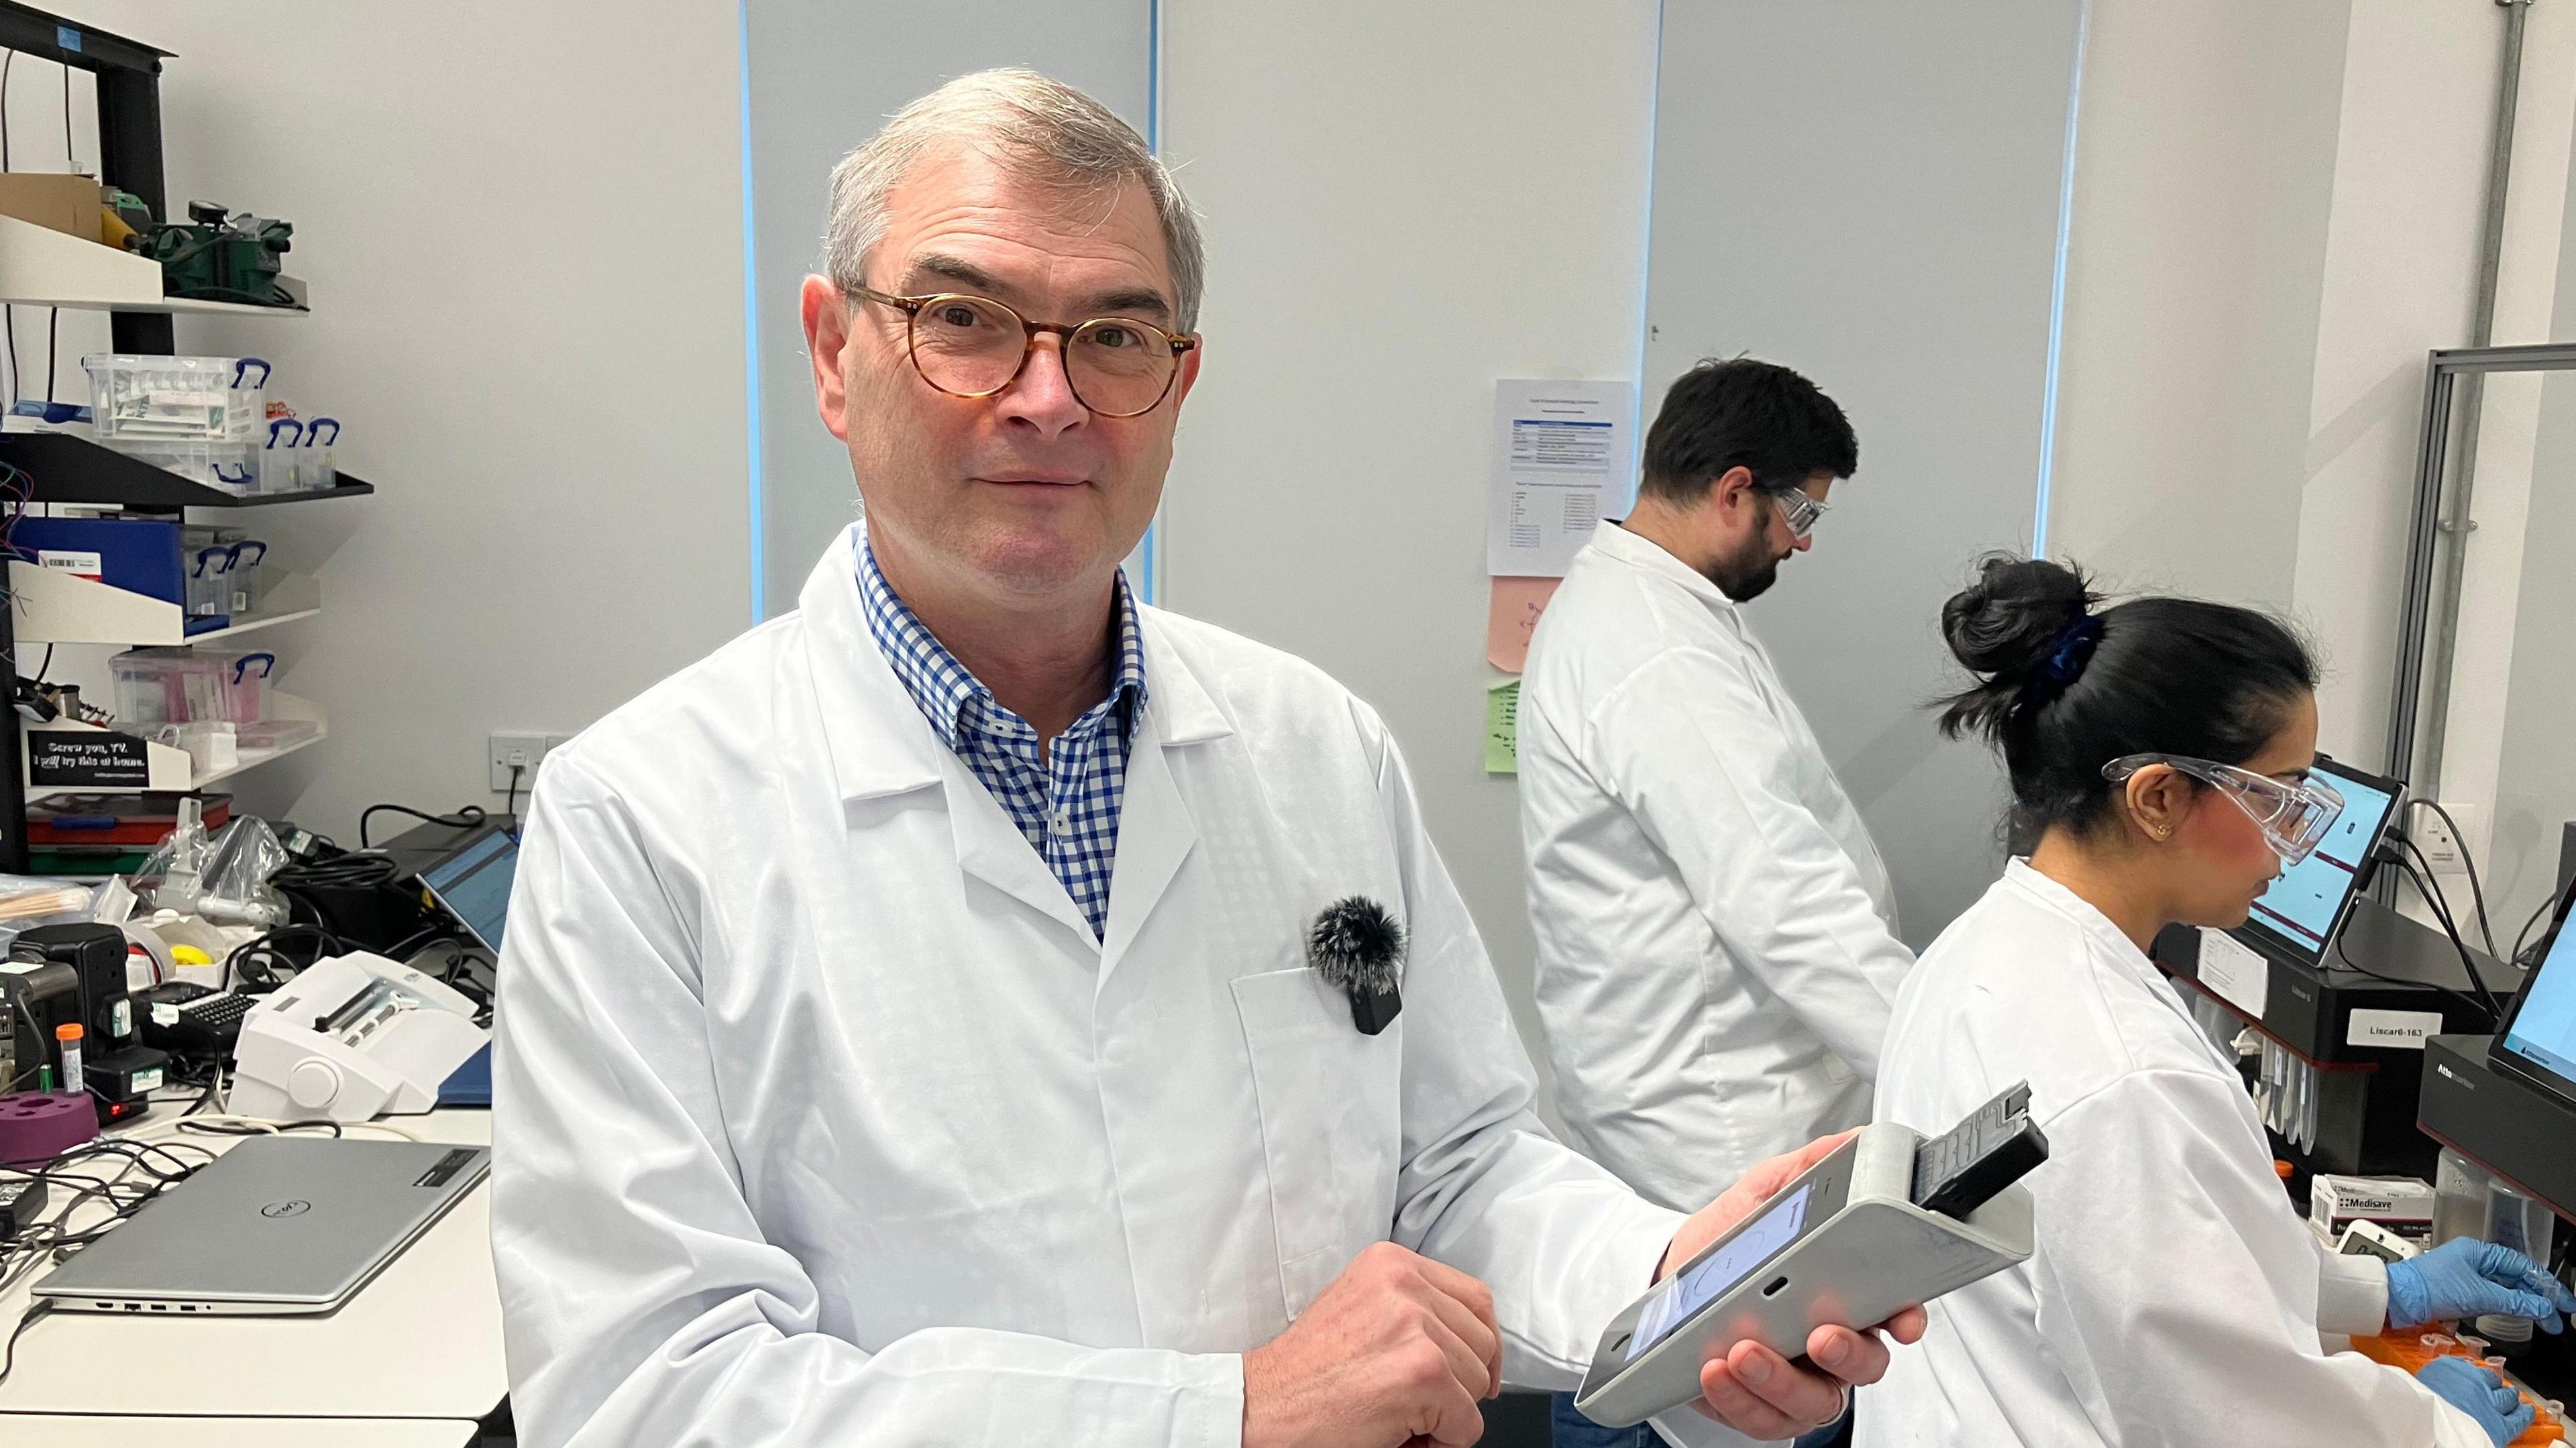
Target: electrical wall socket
pixel 522 751
pixel 2447 853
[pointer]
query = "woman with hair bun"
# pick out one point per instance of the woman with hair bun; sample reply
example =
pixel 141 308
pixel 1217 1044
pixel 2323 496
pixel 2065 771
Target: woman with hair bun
pixel 2159 753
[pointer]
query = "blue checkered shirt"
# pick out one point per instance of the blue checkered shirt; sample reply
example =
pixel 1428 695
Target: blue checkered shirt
pixel 1064 800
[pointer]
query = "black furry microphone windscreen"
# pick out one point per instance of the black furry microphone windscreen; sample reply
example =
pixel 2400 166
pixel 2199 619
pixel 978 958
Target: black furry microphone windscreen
pixel 1356 945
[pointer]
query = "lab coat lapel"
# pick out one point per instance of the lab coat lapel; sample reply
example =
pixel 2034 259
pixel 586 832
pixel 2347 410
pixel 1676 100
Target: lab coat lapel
pixel 881 745
pixel 1156 826
pixel 991 849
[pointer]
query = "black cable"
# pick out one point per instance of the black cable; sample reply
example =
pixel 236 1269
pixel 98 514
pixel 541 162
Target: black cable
pixel 510 811
pixel 9 315
pixel 463 819
pixel 47 666
pixel 2477 891
pixel 347 870
pixel 27 1319
pixel 2430 890
pixel 263 964
pixel 37 1033
pixel 2356 967
pixel 54 315
pixel 2523 944
pixel 235 1128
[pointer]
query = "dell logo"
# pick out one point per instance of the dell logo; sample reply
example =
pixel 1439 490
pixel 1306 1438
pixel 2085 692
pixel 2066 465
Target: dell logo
pixel 286 1209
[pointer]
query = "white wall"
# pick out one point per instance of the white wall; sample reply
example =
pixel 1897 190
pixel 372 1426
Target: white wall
pixel 2204 170
pixel 1403 203
pixel 523 233
pixel 2504 766
pixel 2400 270
pixel 2500 766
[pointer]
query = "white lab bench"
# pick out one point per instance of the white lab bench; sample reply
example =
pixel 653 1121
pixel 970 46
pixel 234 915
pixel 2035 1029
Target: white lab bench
pixel 416 1353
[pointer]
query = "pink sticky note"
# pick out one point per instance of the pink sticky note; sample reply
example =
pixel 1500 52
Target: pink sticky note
pixel 1513 617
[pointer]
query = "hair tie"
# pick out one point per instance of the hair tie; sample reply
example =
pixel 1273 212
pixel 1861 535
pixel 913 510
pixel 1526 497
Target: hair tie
pixel 2068 653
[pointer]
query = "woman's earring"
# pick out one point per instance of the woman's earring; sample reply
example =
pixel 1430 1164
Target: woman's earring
pixel 2164 832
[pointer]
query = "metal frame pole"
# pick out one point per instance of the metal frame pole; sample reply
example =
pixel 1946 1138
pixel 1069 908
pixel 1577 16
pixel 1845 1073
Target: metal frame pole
pixel 2456 525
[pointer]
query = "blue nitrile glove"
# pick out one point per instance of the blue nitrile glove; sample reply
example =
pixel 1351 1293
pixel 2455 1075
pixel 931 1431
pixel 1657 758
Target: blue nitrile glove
pixel 2480 1394
pixel 2465 1277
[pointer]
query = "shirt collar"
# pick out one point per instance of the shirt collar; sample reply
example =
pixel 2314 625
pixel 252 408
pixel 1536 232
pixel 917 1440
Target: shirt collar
pixel 942 688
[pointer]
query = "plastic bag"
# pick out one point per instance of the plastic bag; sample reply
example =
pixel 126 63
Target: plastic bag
pixel 169 875
pixel 27 900
pixel 233 887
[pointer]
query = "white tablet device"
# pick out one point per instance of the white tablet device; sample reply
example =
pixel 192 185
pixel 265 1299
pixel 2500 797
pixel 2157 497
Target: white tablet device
pixel 1888 1221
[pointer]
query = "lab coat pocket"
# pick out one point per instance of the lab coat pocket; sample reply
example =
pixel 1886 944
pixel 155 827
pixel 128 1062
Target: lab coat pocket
pixel 1331 1123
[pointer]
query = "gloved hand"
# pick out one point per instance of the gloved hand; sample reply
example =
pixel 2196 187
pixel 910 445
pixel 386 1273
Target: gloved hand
pixel 2465 1277
pixel 2480 1394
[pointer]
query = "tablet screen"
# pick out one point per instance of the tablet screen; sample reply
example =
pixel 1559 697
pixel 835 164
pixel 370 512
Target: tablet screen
pixel 2307 901
pixel 2543 1029
pixel 1706 1280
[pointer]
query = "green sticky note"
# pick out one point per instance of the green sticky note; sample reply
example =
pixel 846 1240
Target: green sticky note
pixel 1502 728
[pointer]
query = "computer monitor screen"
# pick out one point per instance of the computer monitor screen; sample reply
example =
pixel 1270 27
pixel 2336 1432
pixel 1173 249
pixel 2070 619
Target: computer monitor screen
pixel 2308 900
pixel 2542 1030
pixel 474 884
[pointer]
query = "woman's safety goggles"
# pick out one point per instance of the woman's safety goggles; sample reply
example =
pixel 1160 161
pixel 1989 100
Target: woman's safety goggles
pixel 2294 817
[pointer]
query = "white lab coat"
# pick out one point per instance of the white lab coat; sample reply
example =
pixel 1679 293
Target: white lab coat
pixel 2174 1297
pixel 821 1116
pixel 1716 938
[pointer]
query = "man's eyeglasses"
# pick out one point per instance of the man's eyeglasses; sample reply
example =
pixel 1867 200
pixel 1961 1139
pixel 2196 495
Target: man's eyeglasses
pixel 1799 511
pixel 974 347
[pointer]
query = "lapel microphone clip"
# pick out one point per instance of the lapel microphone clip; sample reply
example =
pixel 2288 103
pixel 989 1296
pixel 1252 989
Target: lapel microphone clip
pixel 1356 945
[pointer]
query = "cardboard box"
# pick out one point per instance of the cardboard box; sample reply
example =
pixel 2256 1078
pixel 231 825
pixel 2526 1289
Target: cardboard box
pixel 51 199
pixel 2404 1205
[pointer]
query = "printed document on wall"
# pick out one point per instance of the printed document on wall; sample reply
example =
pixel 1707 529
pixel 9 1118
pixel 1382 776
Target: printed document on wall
pixel 1561 457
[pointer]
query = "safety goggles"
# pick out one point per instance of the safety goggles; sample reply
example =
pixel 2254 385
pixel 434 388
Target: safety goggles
pixel 1799 511
pixel 2294 817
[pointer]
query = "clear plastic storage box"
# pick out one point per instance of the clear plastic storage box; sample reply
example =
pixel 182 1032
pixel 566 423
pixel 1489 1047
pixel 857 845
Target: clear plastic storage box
pixel 297 458
pixel 190 686
pixel 137 398
pixel 232 466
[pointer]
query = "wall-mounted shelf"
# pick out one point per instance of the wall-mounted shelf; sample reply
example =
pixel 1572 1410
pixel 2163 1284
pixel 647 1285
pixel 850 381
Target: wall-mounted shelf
pixel 55 607
pixel 63 467
pixel 42 267
pixel 171 770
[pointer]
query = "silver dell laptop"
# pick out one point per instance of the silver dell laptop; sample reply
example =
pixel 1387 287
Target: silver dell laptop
pixel 277 1225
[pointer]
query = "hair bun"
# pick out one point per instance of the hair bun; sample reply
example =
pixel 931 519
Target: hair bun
pixel 2005 623
pixel 2004 627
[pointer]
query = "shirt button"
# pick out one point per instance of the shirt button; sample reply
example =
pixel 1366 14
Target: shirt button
pixel 1060 820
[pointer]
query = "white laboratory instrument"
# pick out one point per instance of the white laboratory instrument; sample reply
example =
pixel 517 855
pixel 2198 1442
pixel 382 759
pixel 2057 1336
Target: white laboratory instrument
pixel 351 1038
pixel 1888 1220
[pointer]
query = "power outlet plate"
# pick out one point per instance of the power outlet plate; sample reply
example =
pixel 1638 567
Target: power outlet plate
pixel 522 751
pixel 2446 852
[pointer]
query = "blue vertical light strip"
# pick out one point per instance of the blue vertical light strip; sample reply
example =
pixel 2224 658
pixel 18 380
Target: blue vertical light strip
pixel 1646 263
pixel 751 330
pixel 1149 589
pixel 2057 288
